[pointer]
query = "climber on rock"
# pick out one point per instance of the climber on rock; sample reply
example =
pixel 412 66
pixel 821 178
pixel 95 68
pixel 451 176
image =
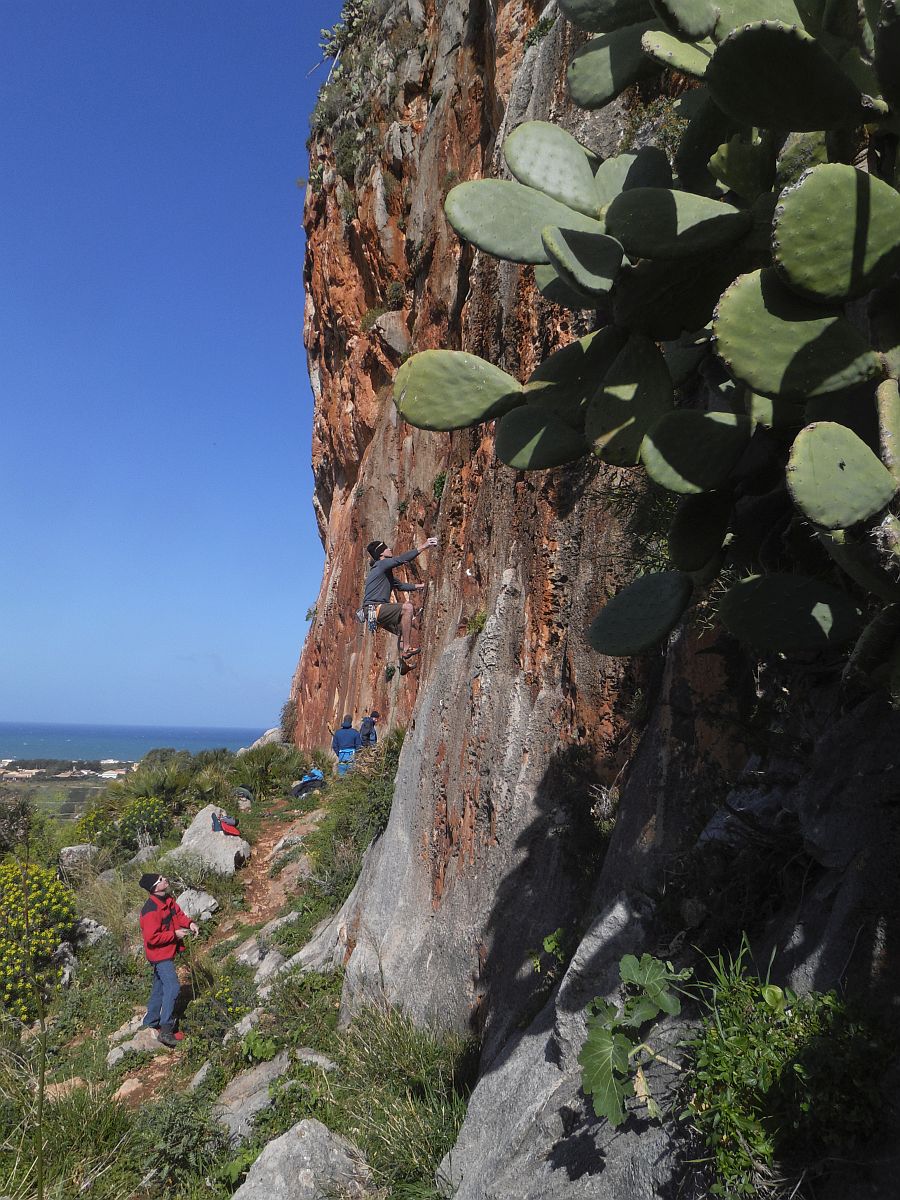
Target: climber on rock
pixel 377 607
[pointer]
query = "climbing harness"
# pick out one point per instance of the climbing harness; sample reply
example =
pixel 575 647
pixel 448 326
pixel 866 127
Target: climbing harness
pixel 368 616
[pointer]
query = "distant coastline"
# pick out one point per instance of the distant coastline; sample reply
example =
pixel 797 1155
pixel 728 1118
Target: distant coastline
pixel 124 743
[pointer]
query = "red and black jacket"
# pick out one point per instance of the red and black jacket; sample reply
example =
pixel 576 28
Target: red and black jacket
pixel 159 920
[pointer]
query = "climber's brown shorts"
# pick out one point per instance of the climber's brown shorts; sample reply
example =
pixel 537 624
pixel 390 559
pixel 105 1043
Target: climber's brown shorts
pixel 389 617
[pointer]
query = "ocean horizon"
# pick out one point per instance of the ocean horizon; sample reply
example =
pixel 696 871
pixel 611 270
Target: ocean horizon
pixel 127 743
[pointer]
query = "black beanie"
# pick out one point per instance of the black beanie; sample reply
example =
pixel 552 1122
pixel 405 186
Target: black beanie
pixel 376 549
pixel 149 882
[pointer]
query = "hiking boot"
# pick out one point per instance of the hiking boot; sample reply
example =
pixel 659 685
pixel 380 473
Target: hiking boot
pixel 167 1037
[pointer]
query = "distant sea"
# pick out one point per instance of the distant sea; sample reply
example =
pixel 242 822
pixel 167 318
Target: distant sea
pixel 127 743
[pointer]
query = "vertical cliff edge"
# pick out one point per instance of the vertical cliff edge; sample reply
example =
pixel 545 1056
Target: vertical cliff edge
pixel 742 796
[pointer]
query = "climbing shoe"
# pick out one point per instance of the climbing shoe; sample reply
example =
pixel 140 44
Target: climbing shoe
pixel 167 1037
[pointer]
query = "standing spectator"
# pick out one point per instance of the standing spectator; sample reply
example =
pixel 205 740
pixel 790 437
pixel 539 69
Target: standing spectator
pixel 367 730
pixel 163 927
pixel 345 744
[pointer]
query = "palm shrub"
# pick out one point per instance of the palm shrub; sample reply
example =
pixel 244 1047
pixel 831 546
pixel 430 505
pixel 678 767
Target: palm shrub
pixel 748 338
pixel 269 771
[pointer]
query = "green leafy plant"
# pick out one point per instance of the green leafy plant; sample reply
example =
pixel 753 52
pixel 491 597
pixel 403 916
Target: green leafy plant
pixel 256 1047
pixel 437 486
pixel 144 820
pixel 36 910
pixel 539 31
pixel 395 294
pixel 614 1052
pixel 476 623
pixel 776 1084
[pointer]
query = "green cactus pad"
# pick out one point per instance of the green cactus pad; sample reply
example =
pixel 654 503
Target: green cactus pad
pixel 834 478
pixel 659 223
pixel 505 218
pixel 684 355
pixel 745 167
pixel 555 289
pixel 641 615
pixel 884 325
pixel 799 152
pixel 856 408
pixel 603 16
pixel 448 389
pixel 887 397
pixel 691 58
pixel 637 390
pixel 690 451
pixel 698 529
pixel 708 128
pixel 774 412
pixel 854 250
pixel 771 75
pixel 688 19
pixel 607 65
pixel 569 379
pixel 547 158
pixel 887 52
pixel 735 13
pixel 587 261
pixel 860 561
pixel 789 613
pixel 647 167
pixel 531 439
pixel 872 653
pixel 780 344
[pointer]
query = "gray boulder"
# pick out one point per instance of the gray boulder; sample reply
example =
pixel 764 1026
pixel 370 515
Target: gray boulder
pixel 76 860
pixel 63 958
pixel 198 905
pixel 87 932
pixel 248 1094
pixel 309 1162
pixel 143 855
pixel 268 967
pixel 219 851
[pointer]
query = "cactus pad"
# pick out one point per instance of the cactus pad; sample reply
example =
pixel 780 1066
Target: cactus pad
pixel 745 167
pixel 690 451
pixel 447 389
pixel 637 390
pixel 789 613
pixel 691 58
pixel 647 167
pixel 688 19
pixel 684 355
pixel 887 52
pixel 608 64
pixel 860 561
pixel 772 75
pixel 708 128
pixel 660 223
pixel 586 261
pixel 641 615
pixel 856 249
pixel 602 16
pixel 698 529
pixel 505 218
pixel 834 478
pixel 569 379
pixel 533 439
pixel 554 288
pixel 774 412
pixel 547 158
pixel 780 344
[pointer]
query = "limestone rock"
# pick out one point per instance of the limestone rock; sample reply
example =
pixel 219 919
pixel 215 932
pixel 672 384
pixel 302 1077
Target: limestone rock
pixel 314 1059
pixel 200 1077
pixel 129 1029
pixel 87 932
pixel 63 1088
pixel 249 1021
pixel 143 855
pixel 394 332
pixel 198 905
pixel 246 1095
pixel 74 861
pixel 285 843
pixel 128 1088
pixel 63 957
pixel 269 966
pixel 309 1162
pixel 219 851
pixel 251 952
pixel 144 1041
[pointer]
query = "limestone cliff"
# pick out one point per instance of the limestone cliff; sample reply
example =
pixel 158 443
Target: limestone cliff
pixel 733 782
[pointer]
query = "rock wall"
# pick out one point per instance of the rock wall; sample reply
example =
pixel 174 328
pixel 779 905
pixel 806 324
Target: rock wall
pixel 745 798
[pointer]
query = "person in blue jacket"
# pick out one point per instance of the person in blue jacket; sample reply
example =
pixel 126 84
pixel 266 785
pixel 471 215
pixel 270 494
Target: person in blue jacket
pixel 345 743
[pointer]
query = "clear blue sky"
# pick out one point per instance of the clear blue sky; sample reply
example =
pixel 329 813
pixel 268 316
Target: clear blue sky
pixel 159 551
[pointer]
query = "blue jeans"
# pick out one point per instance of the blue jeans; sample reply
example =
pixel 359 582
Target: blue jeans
pixel 165 991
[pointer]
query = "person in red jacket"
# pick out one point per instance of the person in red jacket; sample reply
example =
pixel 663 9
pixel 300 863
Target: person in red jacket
pixel 163 927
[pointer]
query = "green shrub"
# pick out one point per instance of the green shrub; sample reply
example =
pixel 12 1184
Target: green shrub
pixel 269 771
pixel 144 820
pixel 178 1144
pixel 347 153
pixel 370 316
pixel 97 826
pixel 36 910
pixel 476 623
pixel 437 486
pixel 777 1083
pixel 395 295
pixel 538 32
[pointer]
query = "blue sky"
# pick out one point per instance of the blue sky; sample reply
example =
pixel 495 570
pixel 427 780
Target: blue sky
pixel 158 544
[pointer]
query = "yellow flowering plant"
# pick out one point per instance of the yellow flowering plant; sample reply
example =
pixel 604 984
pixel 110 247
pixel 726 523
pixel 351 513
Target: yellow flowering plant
pixel 36 910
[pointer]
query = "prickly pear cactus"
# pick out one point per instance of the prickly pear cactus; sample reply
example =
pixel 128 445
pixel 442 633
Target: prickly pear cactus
pixel 748 307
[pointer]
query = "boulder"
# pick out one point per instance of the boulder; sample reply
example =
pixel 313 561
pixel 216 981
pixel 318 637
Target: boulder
pixel 198 905
pixel 243 1026
pixel 63 957
pixel 394 332
pixel 313 1058
pixel 248 1094
pixel 252 951
pixel 144 1041
pixel 219 851
pixel 307 1163
pixel 76 860
pixel 269 966
pixel 200 1077
pixel 143 855
pixel 285 843
pixel 87 932
pixel 266 739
